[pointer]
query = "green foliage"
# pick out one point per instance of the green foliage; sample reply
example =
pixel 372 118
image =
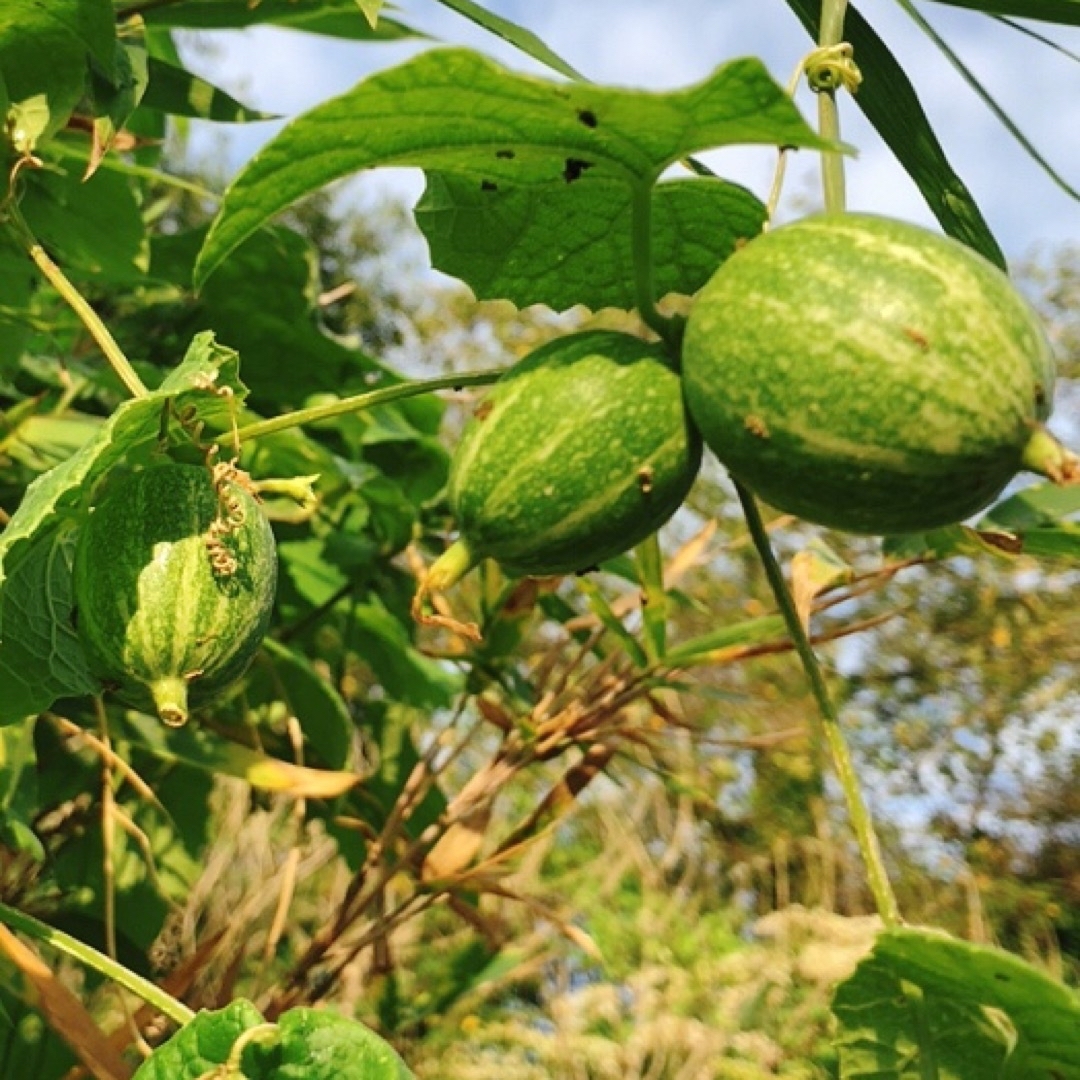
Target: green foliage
pixel 377 816
pixel 923 997
pixel 543 135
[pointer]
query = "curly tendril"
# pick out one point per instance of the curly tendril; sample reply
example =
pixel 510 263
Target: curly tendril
pixel 829 68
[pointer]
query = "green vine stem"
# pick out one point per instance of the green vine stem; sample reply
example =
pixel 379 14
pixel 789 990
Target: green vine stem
pixel 76 301
pixel 142 988
pixel 359 402
pixel 669 330
pixel 831 68
pixel 858 812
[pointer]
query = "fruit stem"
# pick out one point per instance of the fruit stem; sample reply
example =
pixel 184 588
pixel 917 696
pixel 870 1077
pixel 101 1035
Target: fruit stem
pixel 171 699
pixel 832 162
pixel 76 301
pixel 641 244
pixel 447 570
pixel 359 402
pixel 858 812
pixel 1044 455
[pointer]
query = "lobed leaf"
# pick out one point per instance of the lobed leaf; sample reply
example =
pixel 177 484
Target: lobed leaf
pixel 562 246
pixel 923 1001
pixel 454 111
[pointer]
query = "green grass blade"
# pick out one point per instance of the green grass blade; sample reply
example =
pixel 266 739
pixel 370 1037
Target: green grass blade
pixel 890 103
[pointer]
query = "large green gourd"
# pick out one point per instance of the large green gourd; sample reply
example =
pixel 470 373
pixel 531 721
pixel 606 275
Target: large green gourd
pixel 869 375
pixel 579 452
pixel 174 586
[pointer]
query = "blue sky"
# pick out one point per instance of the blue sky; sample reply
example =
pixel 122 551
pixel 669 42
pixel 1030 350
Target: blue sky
pixel 663 45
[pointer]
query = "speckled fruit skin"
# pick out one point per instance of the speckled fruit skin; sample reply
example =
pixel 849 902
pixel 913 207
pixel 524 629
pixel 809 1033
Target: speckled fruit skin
pixel 159 625
pixel 866 374
pixel 579 452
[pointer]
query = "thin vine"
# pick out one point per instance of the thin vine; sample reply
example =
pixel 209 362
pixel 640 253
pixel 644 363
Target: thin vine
pixel 828 68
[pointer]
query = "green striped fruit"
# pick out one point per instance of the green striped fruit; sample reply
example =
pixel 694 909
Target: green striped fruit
pixel 869 375
pixel 174 584
pixel 579 452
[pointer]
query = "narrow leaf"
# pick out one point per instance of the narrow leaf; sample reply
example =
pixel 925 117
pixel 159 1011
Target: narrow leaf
pixel 436 112
pixel 988 99
pixel 890 103
pixel 331 18
pixel 516 35
pixel 209 752
pixel 178 92
pixel 1057 11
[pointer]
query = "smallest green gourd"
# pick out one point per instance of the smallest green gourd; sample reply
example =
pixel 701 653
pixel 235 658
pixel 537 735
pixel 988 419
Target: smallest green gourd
pixel 174 578
pixel 579 452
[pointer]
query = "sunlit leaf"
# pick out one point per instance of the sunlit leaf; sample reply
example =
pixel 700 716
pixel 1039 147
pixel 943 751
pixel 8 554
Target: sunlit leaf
pixel 455 111
pixel 572 245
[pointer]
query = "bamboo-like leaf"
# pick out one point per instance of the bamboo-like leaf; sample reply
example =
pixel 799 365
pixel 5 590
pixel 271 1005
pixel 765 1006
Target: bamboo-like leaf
pixel 988 99
pixel 1055 11
pixel 516 35
pixel 890 103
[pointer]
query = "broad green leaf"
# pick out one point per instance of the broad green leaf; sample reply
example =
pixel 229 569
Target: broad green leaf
pixel 333 18
pixel 890 1030
pixel 90 22
pixel 263 302
pixel 569 245
pixel 198 1048
pixel 1039 505
pixel 945 1021
pixel 953 540
pixel 516 35
pixel 891 104
pixel 40 659
pixel 113 101
pixel 175 828
pixel 406 674
pixel 1058 542
pixel 40 656
pixel 95 229
pixel 19 803
pixel 1057 11
pixel 45 51
pixel 310 697
pixel 178 92
pixel 323 1045
pixel 17 279
pixel 210 753
pixel 455 111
